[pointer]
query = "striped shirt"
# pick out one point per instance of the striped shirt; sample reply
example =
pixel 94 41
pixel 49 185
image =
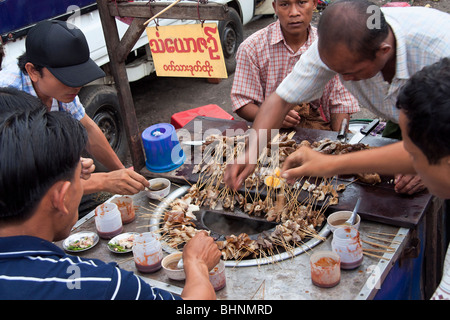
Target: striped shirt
pixel 422 38
pixel 264 59
pixel 13 77
pixel 33 268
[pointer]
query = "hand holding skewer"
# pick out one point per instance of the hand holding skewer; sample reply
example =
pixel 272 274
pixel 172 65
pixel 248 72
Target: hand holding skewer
pixel 236 173
pixel 305 162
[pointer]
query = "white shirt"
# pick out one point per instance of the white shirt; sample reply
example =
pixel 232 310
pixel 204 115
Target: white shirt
pixel 422 38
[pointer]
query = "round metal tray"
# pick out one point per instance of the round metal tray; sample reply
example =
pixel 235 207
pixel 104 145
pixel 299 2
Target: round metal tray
pixel 324 232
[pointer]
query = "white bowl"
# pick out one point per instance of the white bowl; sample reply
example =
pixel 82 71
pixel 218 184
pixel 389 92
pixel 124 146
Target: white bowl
pixel 336 219
pixel 158 193
pixel 173 272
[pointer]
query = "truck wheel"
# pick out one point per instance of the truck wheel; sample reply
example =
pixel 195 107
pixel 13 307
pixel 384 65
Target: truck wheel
pixel 102 105
pixel 231 34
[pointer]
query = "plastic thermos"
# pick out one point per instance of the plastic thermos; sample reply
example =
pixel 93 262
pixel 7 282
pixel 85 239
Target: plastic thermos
pixel 108 221
pixel 147 252
pixel 347 244
pixel 126 208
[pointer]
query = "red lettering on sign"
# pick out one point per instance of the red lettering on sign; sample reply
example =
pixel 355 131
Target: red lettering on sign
pixel 187 45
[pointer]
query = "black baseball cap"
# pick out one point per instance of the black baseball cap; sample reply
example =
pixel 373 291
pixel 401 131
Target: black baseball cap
pixel 62 48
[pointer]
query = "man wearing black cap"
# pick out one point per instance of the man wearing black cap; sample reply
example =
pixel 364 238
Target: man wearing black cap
pixel 54 67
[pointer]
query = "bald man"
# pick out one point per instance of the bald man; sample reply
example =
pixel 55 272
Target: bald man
pixel 374 50
pixel 424 106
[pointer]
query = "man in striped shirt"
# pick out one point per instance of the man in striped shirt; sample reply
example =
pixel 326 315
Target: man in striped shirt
pixel 373 50
pixel 266 57
pixel 40 190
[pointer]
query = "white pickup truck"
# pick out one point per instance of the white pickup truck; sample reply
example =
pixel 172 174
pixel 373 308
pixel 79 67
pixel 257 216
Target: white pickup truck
pixel 99 98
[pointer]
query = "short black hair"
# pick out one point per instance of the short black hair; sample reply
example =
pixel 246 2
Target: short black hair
pixel 37 149
pixel 8 101
pixel 23 60
pixel 425 100
pixel 358 24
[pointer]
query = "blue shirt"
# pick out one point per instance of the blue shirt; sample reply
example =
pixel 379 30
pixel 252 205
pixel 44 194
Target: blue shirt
pixel 33 268
pixel 13 77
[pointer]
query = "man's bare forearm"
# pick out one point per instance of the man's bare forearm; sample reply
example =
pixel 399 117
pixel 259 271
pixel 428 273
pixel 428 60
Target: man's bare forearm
pixel 248 112
pixel 270 116
pixel 336 120
pixel 391 159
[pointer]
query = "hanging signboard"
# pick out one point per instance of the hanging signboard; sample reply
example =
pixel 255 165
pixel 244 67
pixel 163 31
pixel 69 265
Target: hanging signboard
pixel 192 50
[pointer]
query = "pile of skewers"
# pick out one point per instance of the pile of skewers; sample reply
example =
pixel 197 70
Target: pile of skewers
pixel 298 209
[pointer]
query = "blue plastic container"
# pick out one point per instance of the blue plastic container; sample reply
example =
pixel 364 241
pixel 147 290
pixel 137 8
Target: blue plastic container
pixel 162 148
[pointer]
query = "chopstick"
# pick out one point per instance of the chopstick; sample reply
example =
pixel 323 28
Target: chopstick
pixel 374 255
pixel 379 250
pixel 388 234
pixel 377 245
pixel 161 12
pixel 384 240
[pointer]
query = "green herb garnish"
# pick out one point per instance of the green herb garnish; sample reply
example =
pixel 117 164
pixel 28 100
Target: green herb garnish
pixel 116 247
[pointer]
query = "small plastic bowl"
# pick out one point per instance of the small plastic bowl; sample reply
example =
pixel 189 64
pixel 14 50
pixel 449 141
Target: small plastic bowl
pixel 336 220
pixel 169 265
pixel 159 188
pixel 325 269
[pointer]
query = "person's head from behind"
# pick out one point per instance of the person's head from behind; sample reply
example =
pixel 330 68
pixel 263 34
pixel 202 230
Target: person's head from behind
pixel 294 15
pixel 353 38
pixel 40 165
pixel 424 104
pixel 9 97
pixel 57 59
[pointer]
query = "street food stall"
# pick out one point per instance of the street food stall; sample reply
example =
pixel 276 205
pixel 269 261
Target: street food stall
pixel 392 233
pixel 398 235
